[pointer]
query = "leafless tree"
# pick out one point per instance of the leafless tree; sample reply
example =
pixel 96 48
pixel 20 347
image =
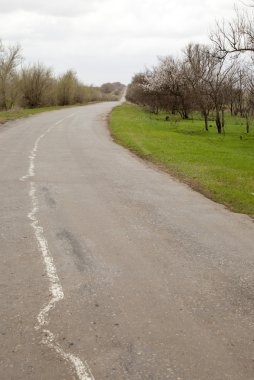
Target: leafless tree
pixel 168 81
pixel 197 72
pixel 219 73
pixel 237 88
pixel 140 92
pixel 247 98
pixel 10 58
pixel 35 83
pixel 236 36
pixel 67 88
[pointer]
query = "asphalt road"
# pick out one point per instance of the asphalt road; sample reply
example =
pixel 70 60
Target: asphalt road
pixel 110 269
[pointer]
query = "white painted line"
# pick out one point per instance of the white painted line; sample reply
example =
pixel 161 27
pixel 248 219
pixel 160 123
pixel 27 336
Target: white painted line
pixel 32 157
pixel 82 369
pixel 67 117
pixel 34 150
pixel 55 286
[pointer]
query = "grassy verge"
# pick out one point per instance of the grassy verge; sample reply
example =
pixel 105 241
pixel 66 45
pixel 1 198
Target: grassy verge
pixel 220 167
pixel 25 112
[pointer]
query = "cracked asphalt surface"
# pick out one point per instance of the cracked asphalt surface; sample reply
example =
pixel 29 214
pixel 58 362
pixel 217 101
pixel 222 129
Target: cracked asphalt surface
pixel 158 280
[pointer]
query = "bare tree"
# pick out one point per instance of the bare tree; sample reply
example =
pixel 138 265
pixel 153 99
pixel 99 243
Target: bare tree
pixel 238 88
pixel 141 93
pixel 169 82
pixel 197 72
pixel 219 73
pixel 35 83
pixel 247 109
pixel 10 58
pixel 236 36
pixel 67 88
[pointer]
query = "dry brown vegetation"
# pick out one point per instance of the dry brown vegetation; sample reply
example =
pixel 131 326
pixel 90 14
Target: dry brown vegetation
pixel 33 86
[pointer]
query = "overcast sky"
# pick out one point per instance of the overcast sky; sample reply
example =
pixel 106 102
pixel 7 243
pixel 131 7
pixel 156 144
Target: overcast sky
pixel 107 40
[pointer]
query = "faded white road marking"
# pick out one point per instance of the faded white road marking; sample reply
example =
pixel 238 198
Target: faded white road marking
pixel 32 157
pixel 82 369
pixel 35 148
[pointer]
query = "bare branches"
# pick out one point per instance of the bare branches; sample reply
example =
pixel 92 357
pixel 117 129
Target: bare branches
pixel 206 79
pixel 35 82
pixel 35 85
pixel 10 58
pixel 236 36
pixel 201 81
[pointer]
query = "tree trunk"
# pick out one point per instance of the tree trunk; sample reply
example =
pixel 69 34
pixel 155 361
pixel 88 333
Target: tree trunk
pixel 173 109
pixel 184 109
pixel 247 124
pixel 185 114
pixel 222 120
pixel 206 120
pixel 218 122
pixel 5 106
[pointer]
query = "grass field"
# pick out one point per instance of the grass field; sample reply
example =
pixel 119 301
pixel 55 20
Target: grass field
pixel 219 166
pixel 17 114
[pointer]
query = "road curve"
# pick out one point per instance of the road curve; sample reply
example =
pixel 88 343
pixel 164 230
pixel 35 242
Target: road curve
pixel 111 269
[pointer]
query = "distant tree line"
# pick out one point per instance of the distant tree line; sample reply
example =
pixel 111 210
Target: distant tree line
pixel 210 78
pixel 35 85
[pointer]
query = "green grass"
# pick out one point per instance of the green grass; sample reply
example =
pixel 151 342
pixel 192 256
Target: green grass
pixel 25 112
pixel 219 166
